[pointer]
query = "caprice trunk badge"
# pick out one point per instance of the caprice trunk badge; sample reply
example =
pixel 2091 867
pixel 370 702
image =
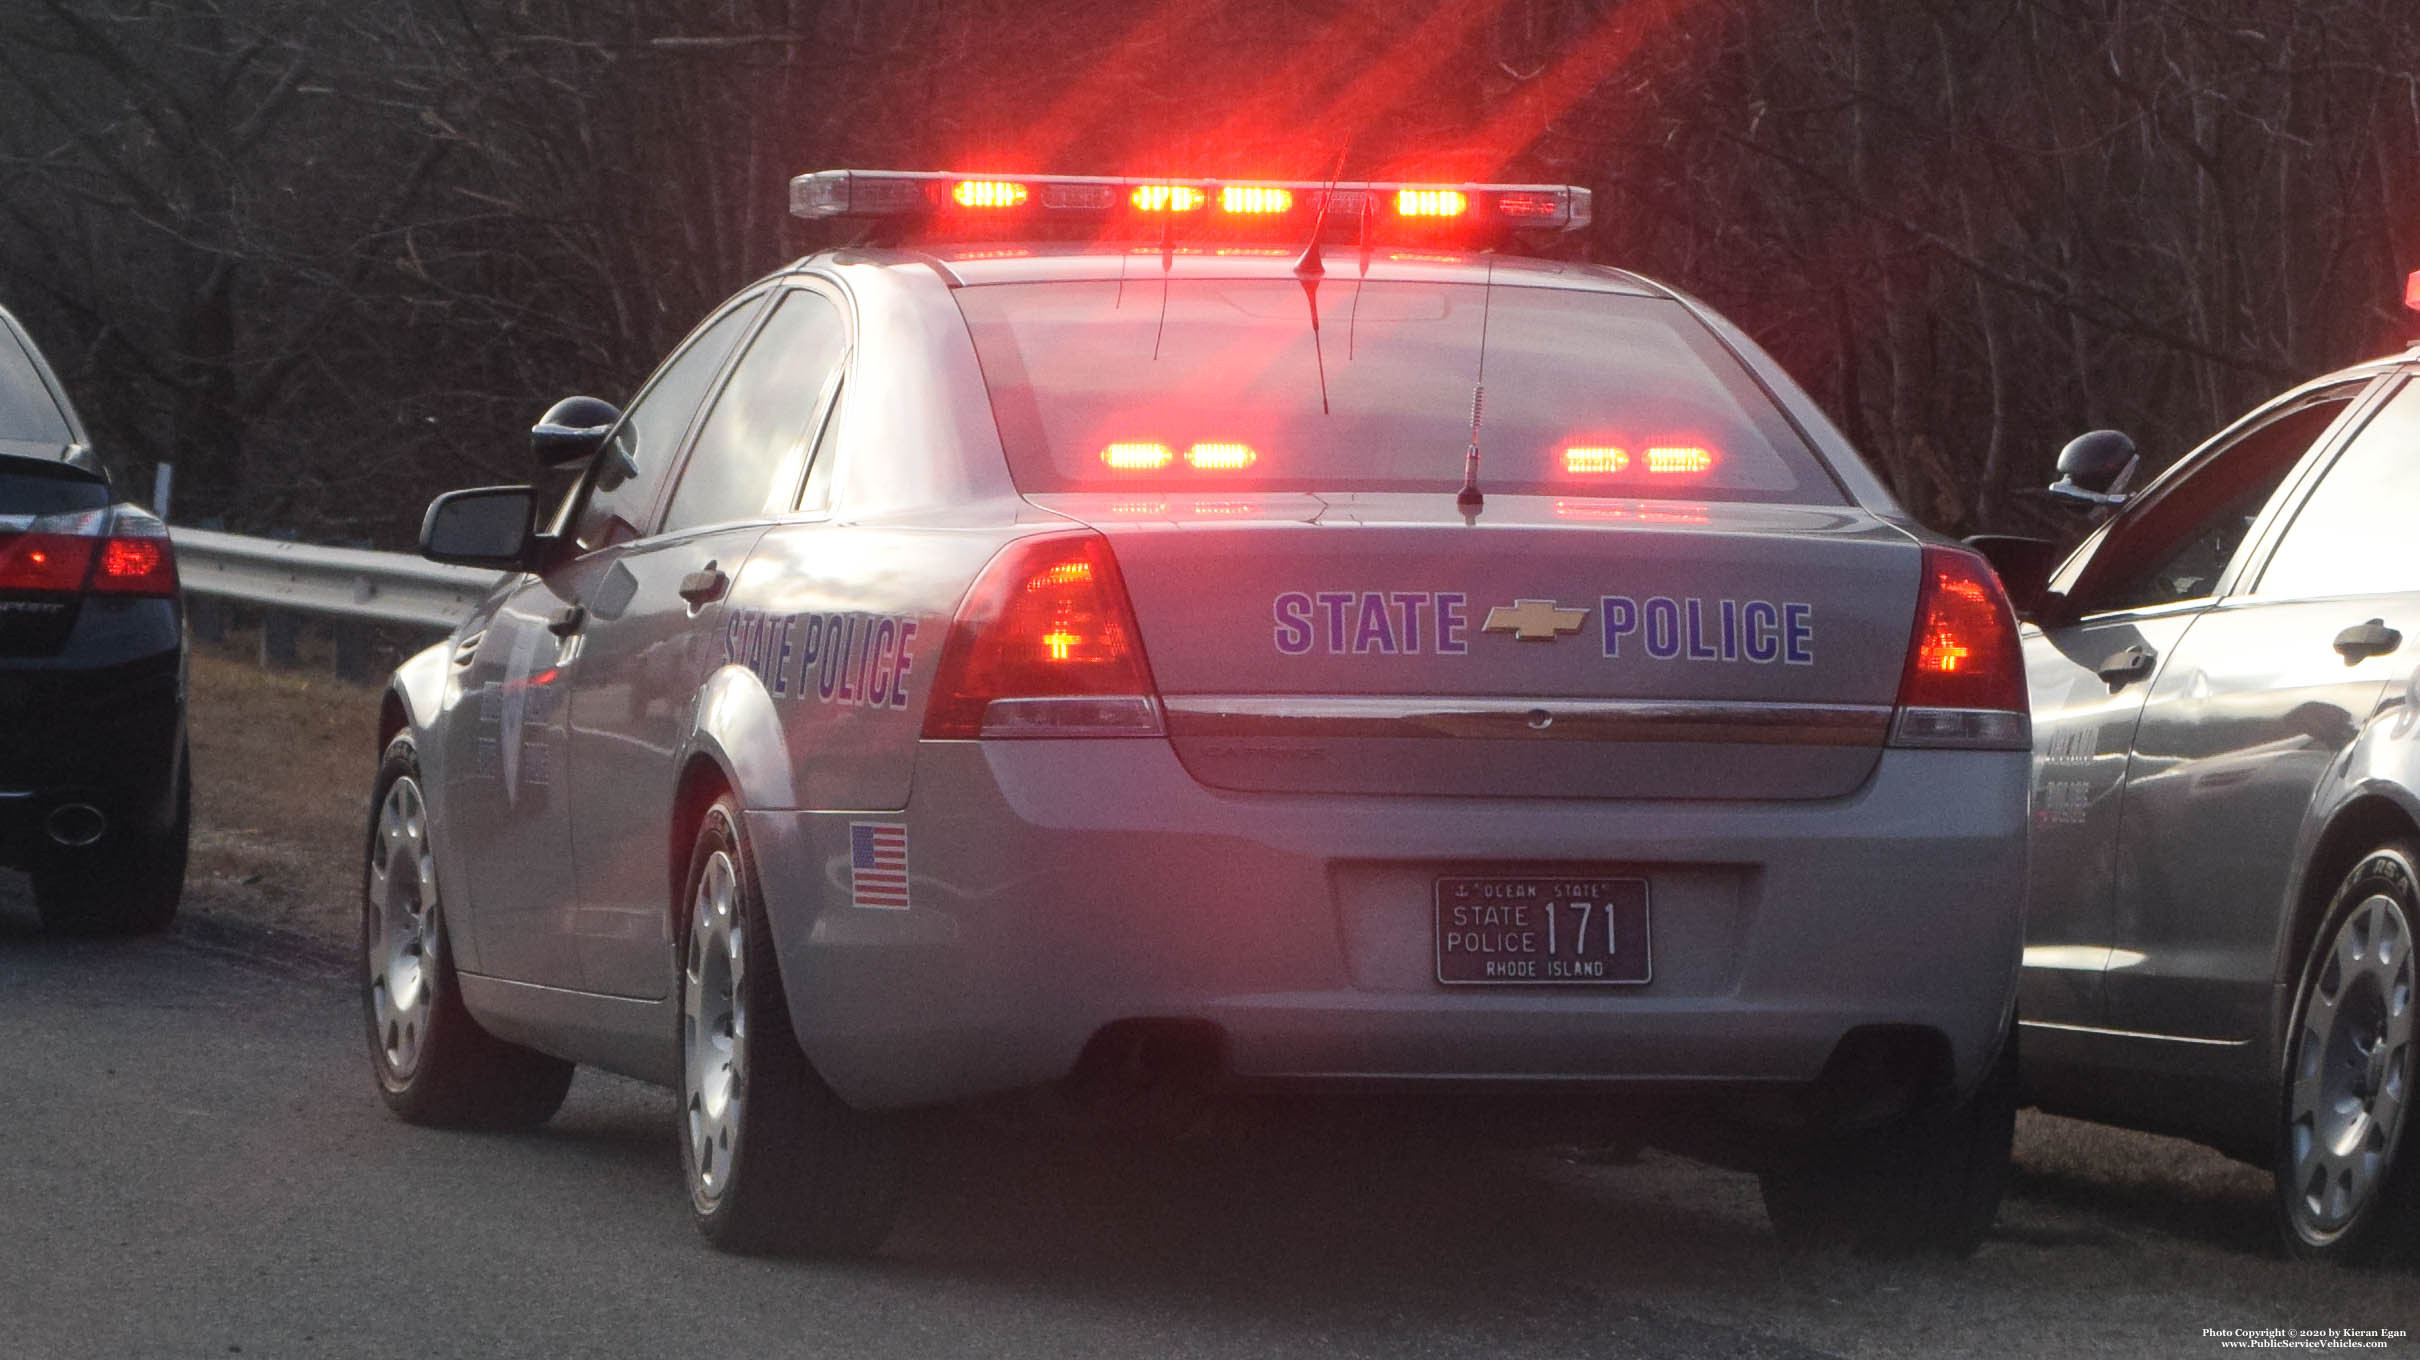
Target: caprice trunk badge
pixel 1533 620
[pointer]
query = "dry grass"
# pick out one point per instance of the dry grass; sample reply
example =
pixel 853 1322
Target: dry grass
pixel 282 764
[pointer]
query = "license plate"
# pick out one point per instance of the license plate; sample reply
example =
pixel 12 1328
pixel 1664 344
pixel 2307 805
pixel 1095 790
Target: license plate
pixel 1529 930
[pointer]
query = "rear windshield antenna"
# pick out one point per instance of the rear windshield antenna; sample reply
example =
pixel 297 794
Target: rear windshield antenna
pixel 1468 500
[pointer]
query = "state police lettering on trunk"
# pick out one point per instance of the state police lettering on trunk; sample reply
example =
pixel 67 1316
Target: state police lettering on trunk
pixel 851 659
pixel 1372 622
pixel 1668 629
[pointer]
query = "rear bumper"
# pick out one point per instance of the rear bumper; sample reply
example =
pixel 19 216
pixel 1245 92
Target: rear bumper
pixel 108 734
pixel 1058 887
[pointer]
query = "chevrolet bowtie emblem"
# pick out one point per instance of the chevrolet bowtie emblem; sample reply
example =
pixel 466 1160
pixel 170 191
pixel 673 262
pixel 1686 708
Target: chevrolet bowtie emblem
pixel 1533 620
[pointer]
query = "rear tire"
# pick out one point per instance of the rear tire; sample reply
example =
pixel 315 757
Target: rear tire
pixel 433 1063
pixel 773 1160
pixel 1926 1184
pixel 130 887
pixel 2346 1190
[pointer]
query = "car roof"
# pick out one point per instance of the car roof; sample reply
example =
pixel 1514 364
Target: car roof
pixel 972 264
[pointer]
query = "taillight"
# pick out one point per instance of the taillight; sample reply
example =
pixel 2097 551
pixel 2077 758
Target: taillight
pixel 125 553
pixel 1045 645
pixel 1964 684
pixel 135 565
pixel 47 562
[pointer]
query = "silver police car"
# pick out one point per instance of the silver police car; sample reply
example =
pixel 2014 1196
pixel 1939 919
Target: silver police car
pixel 1279 644
pixel 2227 801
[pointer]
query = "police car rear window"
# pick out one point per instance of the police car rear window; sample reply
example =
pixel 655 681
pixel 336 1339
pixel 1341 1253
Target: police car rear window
pixel 1586 393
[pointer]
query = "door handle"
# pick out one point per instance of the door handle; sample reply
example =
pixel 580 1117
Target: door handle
pixel 567 620
pixel 705 585
pixel 2366 640
pixel 2127 663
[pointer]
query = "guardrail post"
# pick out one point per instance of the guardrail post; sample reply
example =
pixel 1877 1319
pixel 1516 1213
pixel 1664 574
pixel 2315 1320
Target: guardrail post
pixel 280 629
pixel 205 615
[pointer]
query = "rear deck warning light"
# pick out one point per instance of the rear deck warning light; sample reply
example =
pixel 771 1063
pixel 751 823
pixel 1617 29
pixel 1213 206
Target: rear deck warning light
pixel 1588 459
pixel 1678 459
pixel 1221 456
pixel 1137 456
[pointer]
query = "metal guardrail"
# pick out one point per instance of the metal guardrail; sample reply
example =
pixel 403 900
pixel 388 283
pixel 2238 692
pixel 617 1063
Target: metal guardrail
pixel 349 583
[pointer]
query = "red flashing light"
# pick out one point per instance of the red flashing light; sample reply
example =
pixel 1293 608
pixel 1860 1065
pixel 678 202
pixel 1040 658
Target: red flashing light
pixel 1671 459
pixel 1048 619
pixel 2411 291
pixel 1587 460
pixel 1221 456
pixel 1245 198
pixel 1431 203
pixel 988 193
pixel 1166 198
pixel 1137 456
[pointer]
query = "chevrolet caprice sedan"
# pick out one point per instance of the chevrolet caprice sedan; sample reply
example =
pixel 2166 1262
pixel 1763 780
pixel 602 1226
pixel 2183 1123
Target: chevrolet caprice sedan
pixel 1280 643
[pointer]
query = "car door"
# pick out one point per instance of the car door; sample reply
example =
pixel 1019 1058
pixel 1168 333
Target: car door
pixel 2116 610
pixel 654 633
pixel 508 810
pixel 2249 716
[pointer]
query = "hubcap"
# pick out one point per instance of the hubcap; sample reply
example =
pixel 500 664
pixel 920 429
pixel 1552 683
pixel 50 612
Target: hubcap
pixel 714 1029
pixel 2352 1070
pixel 401 943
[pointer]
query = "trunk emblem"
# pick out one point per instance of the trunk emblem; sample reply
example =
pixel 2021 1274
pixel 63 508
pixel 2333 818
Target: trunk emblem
pixel 1533 620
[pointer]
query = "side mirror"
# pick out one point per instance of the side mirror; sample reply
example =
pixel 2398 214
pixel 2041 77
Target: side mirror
pixel 2023 564
pixel 571 431
pixel 485 527
pixel 2095 468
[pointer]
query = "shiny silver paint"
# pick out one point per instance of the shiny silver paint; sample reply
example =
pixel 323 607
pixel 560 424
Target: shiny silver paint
pixel 2191 823
pixel 1064 884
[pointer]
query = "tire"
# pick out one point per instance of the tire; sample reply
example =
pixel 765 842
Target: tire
pixel 773 1160
pixel 129 887
pixel 1926 1184
pixel 2345 1189
pixel 433 1063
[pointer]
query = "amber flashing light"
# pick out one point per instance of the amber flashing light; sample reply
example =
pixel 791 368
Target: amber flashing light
pixel 1431 203
pixel 1585 459
pixel 988 193
pixel 1221 456
pixel 1250 198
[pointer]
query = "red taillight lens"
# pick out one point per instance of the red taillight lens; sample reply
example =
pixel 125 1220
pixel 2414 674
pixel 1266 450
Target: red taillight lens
pixel 1044 645
pixel 135 566
pixel 45 562
pixel 1964 684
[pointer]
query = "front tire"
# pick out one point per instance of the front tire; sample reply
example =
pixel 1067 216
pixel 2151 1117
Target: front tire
pixel 1926 1184
pixel 433 1062
pixel 773 1160
pixel 2343 1186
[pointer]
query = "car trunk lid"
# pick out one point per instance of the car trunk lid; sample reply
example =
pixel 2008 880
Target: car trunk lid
pixel 1379 643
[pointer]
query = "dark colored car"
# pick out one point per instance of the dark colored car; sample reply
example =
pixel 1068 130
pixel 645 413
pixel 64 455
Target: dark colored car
pixel 94 797
pixel 2227 801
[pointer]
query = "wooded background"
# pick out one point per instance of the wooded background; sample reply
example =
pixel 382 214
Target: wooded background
pixel 331 259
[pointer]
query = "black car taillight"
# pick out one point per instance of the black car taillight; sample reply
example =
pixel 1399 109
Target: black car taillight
pixel 125 553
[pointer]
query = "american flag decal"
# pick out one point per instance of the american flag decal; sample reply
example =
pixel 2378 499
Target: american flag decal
pixel 878 865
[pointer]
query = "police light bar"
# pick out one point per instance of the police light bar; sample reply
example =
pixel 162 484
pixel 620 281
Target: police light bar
pixel 1041 198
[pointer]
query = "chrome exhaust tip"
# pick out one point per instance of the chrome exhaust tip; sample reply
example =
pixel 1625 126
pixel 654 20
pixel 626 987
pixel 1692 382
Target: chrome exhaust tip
pixel 75 825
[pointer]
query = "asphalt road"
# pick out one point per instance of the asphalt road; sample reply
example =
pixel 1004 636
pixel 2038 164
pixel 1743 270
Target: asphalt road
pixel 192 1163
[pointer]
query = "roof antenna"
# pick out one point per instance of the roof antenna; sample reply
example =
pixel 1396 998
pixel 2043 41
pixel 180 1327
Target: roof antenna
pixel 1167 264
pixel 1468 500
pixel 1352 330
pixel 1309 268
